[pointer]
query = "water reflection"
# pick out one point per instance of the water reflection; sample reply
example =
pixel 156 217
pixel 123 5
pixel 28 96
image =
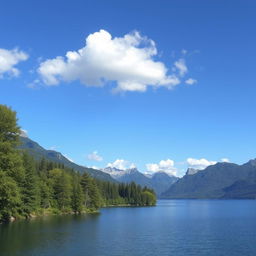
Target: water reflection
pixel 39 234
pixel 173 227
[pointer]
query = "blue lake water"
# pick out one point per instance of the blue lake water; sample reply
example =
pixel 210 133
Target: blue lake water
pixel 173 227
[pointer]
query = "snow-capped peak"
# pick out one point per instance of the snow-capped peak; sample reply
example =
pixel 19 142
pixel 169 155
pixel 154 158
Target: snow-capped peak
pixel 115 173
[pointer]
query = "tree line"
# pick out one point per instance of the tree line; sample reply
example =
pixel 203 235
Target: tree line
pixel 31 188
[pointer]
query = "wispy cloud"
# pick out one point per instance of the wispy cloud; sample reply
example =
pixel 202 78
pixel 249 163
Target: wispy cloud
pixel 94 156
pixel 191 81
pixel 181 67
pixel 8 61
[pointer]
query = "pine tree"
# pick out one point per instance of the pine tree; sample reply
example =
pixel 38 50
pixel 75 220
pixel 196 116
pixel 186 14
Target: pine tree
pixel 44 192
pixel 77 198
pixel 94 194
pixel 61 189
pixel 30 192
pixel 91 192
pixel 85 180
pixel 10 157
pixel 11 168
pixel 10 201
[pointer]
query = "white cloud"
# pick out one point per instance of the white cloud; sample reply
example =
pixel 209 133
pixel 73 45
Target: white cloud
pixel 180 65
pixel 23 133
pixel 164 165
pixel 121 164
pixel 128 61
pixel 225 160
pixel 199 163
pixel 9 59
pixel 94 156
pixel 191 81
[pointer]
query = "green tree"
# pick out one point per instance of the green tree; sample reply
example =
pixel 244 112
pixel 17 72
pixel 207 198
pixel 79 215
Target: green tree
pixel 61 186
pixel 77 198
pixel 30 186
pixel 44 192
pixel 91 192
pixel 10 200
pixel 10 157
pixel 11 168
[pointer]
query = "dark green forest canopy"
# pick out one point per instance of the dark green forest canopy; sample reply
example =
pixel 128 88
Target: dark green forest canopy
pixel 32 187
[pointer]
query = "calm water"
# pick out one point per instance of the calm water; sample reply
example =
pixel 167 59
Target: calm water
pixel 173 227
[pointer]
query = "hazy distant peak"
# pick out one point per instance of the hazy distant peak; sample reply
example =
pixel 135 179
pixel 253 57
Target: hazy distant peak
pixel 192 171
pixel 252 162
pixel 163 173
pixel 115 172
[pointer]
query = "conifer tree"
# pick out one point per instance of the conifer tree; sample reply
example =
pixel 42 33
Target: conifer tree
pixel 77 198
pixel 30 192
pixel 10 157
pixel 10 201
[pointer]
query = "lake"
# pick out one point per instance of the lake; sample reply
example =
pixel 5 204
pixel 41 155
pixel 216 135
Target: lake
pixel 173 227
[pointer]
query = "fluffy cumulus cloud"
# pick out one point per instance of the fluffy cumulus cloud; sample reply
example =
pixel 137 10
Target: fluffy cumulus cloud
pixel 199 164
pixel 94 156
pixel 191 81
pixel 121 164
pixel 164 165
pixel 129 61
pixel 9 59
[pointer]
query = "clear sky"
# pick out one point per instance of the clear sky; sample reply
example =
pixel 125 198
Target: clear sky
pixel 170 81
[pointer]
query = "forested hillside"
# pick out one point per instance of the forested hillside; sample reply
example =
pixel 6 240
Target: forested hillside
pixel 38 152
pixel 30 187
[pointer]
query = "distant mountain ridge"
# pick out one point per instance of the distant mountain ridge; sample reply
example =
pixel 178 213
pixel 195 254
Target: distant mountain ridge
pixel 222 180
pixel 38 152
pixel 159 181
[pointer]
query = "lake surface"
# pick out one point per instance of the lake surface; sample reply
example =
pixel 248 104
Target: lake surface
pixel 173 227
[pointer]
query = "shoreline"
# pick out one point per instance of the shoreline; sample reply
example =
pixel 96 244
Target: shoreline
pixel 53 212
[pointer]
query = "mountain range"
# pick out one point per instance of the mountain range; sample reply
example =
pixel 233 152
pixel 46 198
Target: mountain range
pixel 222 180
pixel 159 181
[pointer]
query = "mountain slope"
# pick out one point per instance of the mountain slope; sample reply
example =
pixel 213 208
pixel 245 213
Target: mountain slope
pixel 160 181
pixel 38 152
pixel 222 180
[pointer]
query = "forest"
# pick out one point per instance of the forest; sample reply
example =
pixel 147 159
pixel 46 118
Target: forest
pixel 30 188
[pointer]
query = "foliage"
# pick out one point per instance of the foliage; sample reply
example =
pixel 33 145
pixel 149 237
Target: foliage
pixel 126 194
pixel 30 187
pixel 10 200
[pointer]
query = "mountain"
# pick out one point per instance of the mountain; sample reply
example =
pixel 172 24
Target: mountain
pixel 38 152
pixel 222 180
pixel 159 181
pixel 192 171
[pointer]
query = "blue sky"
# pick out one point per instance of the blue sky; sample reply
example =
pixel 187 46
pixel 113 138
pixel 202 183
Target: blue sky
pixel 144 110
